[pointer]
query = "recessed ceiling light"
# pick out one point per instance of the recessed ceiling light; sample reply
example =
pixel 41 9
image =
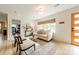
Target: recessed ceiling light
pixel 40 8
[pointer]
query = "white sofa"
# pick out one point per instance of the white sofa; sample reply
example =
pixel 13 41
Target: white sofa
pixel 45 35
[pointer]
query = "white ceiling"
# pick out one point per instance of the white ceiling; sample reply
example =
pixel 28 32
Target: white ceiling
pixel 30 11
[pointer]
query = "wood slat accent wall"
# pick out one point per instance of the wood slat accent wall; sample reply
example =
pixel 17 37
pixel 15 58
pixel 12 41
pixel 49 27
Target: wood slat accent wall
pixel 47 21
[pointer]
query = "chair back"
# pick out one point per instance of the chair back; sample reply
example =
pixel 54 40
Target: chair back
pixel 18 41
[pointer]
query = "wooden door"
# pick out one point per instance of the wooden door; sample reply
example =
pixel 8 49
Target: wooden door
pixel 75 29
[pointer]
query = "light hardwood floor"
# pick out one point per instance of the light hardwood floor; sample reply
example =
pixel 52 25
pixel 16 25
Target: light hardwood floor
pixel 46 48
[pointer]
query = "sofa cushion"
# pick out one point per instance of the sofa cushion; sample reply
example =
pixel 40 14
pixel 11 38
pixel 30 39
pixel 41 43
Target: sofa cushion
pixel 41 31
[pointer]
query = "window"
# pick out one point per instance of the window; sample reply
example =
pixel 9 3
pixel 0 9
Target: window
pixel 48 26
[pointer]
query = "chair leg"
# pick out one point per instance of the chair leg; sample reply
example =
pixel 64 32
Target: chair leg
pixel 19 52
pixel 17 49
pixel 25 53
pixel 34 47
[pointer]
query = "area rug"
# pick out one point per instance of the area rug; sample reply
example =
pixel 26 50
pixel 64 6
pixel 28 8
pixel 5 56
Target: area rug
pixel 44 50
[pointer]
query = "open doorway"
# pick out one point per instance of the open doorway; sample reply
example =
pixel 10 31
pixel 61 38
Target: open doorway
pixel 3 28
pixel 3 25
pixel 16 24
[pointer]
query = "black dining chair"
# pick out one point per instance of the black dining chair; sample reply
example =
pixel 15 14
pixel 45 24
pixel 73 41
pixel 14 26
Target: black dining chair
pixel 20 46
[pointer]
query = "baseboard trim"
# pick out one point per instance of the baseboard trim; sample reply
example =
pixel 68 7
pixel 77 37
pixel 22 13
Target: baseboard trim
pixel 62 41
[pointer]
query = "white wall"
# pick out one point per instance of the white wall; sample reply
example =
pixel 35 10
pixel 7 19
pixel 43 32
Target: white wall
pixel 63 31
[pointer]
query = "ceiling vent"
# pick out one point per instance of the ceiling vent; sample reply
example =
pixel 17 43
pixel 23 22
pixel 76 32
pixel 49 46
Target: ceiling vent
pixel 56 5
